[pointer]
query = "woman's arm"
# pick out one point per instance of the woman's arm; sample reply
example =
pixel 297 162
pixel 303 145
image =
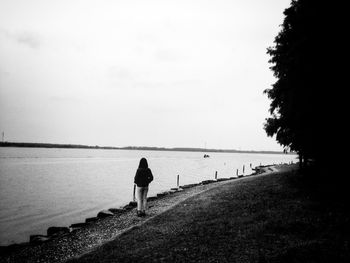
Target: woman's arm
pixel 133 195
pixel 150 176
pixel 136 178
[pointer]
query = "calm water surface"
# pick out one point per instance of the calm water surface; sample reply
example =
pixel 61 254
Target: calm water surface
pixel 42 187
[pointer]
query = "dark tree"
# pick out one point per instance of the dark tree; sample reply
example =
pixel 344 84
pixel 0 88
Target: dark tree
pixel 302 96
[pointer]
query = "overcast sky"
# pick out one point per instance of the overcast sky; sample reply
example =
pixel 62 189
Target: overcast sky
pixel 143 73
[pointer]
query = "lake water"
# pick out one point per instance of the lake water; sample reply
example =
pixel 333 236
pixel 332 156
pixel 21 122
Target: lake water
pixel 42 187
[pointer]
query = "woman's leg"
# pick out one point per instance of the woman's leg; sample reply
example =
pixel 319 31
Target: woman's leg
pixel 139 197
pixel 144 198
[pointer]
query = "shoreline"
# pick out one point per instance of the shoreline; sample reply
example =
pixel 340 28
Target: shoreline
pixel 286 216
pixel 84 237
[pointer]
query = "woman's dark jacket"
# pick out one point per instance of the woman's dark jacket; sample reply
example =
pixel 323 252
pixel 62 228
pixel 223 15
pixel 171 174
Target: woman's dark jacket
pixel 143 177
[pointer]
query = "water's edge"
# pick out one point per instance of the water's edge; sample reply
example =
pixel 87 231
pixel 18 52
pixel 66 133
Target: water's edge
pixel 59 231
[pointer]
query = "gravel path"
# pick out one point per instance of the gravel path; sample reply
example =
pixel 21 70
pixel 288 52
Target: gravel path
pixel 90 237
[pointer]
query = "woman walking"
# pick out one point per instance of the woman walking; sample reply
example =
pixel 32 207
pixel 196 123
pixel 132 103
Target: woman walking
pixel 142 179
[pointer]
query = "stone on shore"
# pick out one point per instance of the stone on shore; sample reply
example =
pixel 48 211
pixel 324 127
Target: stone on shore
pixel 208 181
pixel 133 203
pixel 188 186
pixel 117 211
pixel 56 231
pixel 162 194
pixel 152 198
pixel 104 214
pixel 91 219
pixel 128 207
pixel 222 179
pixel 38 239
pixel 78 225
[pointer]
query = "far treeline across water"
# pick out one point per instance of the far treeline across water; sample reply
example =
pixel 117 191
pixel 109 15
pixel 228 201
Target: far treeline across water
pixel 79 146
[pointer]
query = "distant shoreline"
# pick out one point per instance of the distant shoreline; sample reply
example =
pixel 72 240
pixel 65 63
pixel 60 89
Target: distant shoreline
pixel 142 148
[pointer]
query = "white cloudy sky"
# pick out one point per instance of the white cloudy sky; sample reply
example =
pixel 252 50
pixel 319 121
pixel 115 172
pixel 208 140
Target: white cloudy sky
pixel 180 73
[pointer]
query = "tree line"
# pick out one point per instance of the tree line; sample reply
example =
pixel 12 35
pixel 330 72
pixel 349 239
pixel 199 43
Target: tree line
pixel 305 98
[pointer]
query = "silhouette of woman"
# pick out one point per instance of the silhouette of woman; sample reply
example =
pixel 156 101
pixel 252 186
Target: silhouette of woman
pixel 142 179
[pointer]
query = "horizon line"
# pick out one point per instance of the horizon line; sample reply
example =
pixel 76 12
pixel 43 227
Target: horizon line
pixel 82 146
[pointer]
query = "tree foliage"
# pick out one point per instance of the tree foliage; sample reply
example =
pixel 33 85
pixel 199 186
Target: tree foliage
pixel 298 100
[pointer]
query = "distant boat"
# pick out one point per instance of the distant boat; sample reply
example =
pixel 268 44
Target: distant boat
pixel 205 147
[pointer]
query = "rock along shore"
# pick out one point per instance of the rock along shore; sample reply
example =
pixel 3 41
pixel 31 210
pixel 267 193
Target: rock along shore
pixel 63 243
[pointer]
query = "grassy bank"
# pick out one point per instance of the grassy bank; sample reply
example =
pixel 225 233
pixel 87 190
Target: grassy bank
pixel 281 217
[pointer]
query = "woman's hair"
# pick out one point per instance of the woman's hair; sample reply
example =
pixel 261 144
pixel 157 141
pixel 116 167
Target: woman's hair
pixel 143 163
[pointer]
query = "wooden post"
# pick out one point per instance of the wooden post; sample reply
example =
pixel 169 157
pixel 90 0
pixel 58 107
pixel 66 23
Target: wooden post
pixel 178 181
pixel 243 168
pixel 133 195
pixel 237 172
pixel 216 175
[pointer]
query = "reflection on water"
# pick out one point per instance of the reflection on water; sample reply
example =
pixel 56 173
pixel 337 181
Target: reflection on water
pixel 42 187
